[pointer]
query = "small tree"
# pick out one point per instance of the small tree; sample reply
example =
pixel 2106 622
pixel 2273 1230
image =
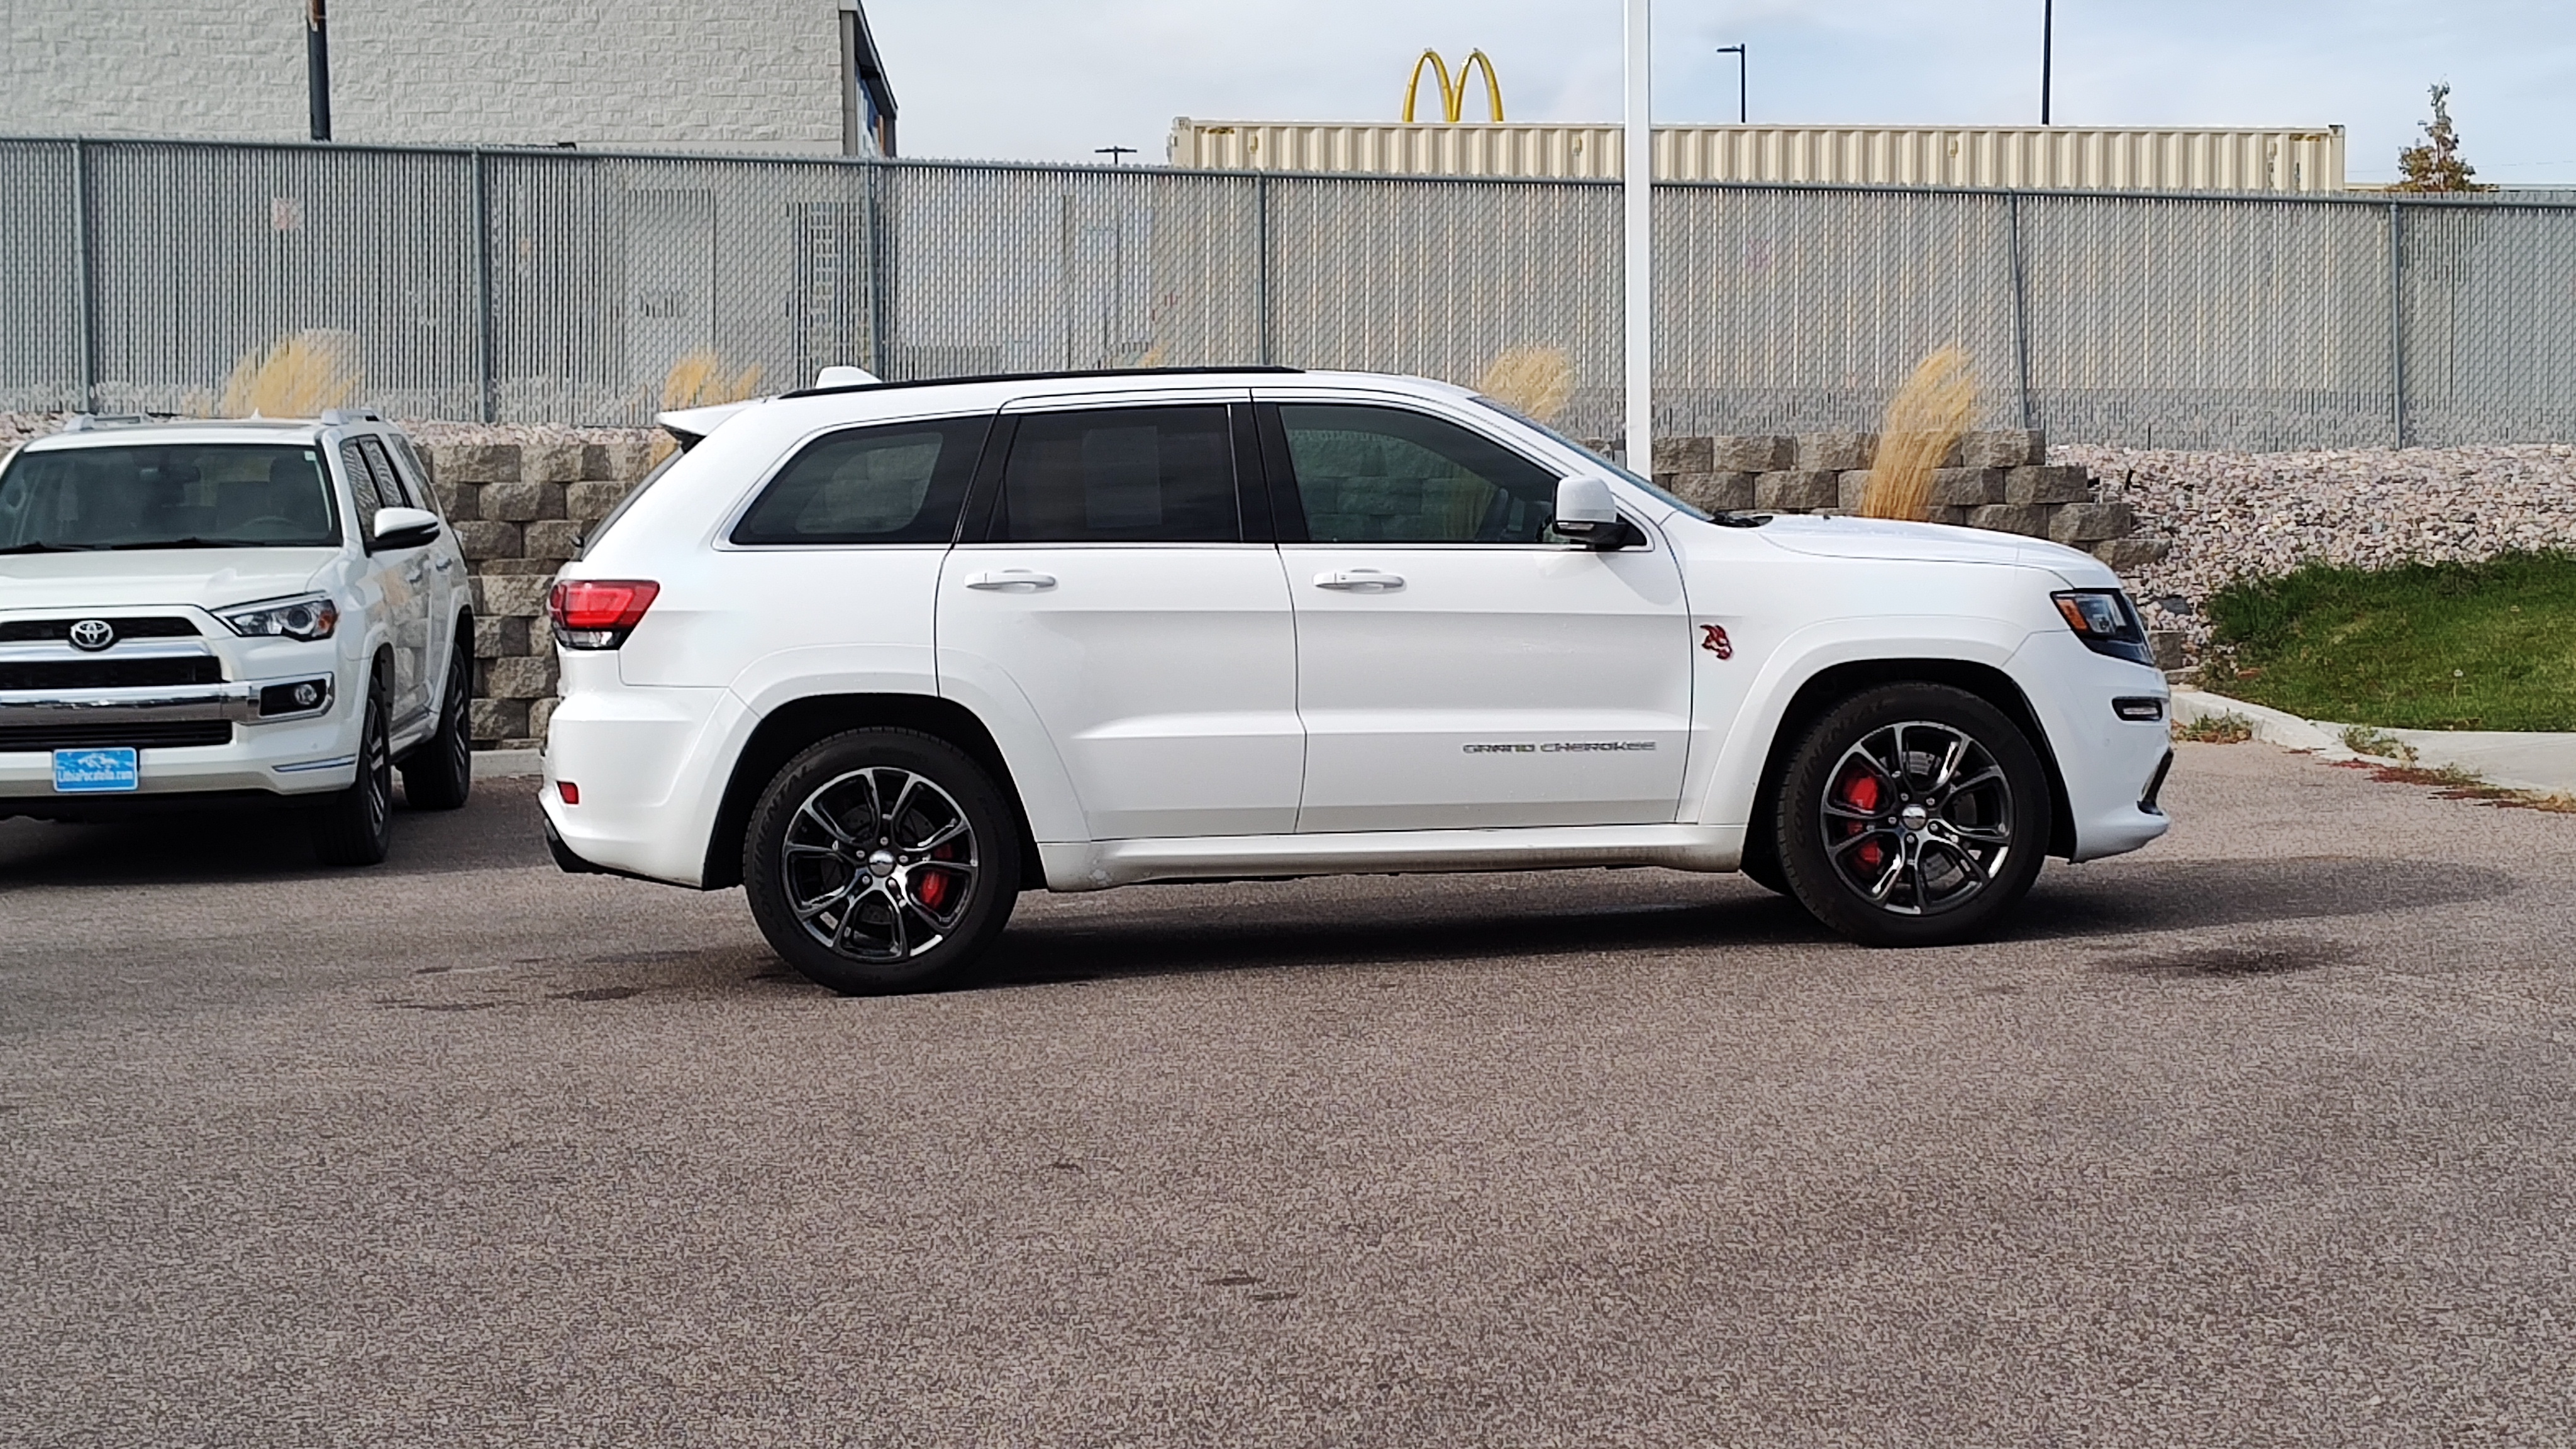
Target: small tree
pixel 2437 164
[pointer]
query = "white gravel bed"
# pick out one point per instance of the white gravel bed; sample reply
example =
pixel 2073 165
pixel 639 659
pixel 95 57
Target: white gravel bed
pixel 2235 515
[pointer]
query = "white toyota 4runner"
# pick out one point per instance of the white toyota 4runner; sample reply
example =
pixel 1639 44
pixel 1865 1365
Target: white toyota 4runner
pixel 890 654
pixel 202 614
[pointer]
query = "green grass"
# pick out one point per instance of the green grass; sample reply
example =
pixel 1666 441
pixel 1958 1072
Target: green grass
pixel 2488 646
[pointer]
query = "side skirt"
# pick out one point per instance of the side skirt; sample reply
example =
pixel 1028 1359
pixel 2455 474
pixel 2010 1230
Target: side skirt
pixel 1101 864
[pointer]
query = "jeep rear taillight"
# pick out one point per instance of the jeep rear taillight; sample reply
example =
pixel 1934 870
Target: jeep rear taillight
pixel 598 613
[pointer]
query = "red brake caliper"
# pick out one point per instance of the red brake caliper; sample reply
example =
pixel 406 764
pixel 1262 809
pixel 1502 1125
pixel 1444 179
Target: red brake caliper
pixel 1861 792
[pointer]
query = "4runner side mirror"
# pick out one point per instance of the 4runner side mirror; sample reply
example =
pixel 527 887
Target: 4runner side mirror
pixel 1586 514
pixel 405 527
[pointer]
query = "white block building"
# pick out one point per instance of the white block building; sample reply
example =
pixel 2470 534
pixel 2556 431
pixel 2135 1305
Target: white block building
pixel 798 77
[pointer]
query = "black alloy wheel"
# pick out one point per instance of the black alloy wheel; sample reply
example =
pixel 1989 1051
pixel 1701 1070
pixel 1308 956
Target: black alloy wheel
pixel 438 774
pixel 881 860
pixel 355 826
pixel 1912 815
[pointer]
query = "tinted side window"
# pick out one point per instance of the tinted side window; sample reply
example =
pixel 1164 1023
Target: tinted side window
pixel 1386 475
pixel 899 483
pixel 1121 475
pixel 362 487
pixel 390 485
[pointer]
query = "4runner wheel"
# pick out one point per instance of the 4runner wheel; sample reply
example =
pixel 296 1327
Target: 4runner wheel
pixel 1911 815
pixel 355 827
pixel 439 772
pixel 881 860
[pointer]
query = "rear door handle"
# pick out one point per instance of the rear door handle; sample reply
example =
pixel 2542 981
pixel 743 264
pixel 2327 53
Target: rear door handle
pixel 1359 579
pixel 1028 579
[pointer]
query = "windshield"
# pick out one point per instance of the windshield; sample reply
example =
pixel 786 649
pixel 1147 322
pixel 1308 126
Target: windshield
pixel 1693 509
pixel 186 495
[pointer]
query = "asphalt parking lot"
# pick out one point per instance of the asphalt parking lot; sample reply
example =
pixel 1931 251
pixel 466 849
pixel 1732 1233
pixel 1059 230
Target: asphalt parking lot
pixel 2260 1136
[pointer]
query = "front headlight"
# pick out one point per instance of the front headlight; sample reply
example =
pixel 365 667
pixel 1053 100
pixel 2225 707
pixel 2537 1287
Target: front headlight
pixel 308 616
pixel 2106 622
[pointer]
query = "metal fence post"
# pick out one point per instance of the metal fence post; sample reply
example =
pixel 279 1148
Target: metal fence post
pixel 85 237
pixel 2397 321
pixel 2021 302
pixel 881 261
pixel 1261 260
pixel 483 284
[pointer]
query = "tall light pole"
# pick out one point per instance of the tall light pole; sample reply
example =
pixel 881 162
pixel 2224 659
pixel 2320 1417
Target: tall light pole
pixel 2047 51
pixel 1738 52
pixel 317 69
pixel 1636 277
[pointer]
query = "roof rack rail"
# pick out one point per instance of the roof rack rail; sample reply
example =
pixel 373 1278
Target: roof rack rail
pixel 1067 375
pixel 338 417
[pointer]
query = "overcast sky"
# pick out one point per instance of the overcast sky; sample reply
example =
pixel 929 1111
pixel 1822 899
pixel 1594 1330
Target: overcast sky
pixel 1053 79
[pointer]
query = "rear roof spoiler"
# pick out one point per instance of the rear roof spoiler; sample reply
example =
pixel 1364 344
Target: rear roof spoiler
pixel 690 425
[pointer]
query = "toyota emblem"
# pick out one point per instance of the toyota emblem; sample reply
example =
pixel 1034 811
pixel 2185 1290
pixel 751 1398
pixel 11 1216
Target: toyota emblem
pixel 93 634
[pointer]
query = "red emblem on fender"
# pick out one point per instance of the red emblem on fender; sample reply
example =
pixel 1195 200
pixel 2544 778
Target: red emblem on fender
pixel 1713 638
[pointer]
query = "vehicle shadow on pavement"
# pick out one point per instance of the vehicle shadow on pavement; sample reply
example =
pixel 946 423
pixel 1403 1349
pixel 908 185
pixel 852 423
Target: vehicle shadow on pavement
pixel 497 829
pixel 2135 898
pixel 2145 895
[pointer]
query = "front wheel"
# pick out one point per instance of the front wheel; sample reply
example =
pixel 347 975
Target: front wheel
pixel 1911 815
pixel 356 826
pixel 881 860
pixel 439 773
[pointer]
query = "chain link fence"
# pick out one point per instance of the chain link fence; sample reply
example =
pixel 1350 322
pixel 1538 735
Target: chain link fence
pixel 568 287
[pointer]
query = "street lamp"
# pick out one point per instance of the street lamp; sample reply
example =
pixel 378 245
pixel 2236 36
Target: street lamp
pixel 1738 52
pixel 2047 48
pixel 1117 154
pixel 1637 223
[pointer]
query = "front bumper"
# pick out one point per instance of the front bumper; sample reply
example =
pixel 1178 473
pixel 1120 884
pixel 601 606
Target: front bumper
pixel 2112 767
pixel 301 752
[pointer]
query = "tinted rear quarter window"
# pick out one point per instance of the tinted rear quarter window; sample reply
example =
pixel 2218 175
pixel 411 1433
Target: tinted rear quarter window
pixel 894 483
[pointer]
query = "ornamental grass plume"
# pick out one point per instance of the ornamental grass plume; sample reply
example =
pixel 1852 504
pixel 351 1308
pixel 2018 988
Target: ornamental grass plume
pixel 298 376
pixel 1534 381
pixel 700 380
pixel 1924 421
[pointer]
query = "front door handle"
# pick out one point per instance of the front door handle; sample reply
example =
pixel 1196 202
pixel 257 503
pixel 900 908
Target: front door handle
pixel 1360 579
pixel 1028 579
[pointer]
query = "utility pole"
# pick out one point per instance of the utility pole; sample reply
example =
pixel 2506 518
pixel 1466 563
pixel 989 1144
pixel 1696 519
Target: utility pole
pixel 1636 277
pixel 1117 154
pixel 2047 51
pixel 1738 52
pixel 317 68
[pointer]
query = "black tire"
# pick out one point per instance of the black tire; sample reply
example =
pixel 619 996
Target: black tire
pixel 356 826
pixel 847 896
pixel 439 772
pixel 1890 838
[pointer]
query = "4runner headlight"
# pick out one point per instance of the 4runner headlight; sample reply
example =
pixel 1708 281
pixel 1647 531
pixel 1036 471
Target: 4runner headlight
pixel 308 616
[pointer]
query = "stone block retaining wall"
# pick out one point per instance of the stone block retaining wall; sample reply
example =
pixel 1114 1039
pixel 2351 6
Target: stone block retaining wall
pixel 1999 479
pixel 521 510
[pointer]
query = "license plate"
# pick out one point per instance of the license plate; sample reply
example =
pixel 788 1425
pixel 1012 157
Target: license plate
pixel 81 771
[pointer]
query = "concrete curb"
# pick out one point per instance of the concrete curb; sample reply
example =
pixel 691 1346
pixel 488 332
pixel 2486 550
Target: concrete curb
pixel 507 764
pixel 2540 761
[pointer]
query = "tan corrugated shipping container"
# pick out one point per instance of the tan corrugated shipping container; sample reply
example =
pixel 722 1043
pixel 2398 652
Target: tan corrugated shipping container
pixel 2068 158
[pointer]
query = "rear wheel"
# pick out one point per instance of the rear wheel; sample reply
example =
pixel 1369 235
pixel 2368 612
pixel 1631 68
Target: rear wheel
pixel 355 827
pixel 881 860
pixel 1912 815
pixel 439 772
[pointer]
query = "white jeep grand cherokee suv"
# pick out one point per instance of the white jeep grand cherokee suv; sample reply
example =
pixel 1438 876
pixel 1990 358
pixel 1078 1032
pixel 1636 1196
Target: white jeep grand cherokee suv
pixel 198 614
pixel 890 654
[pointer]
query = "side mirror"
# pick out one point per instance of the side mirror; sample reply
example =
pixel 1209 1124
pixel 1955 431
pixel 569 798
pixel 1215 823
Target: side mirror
pixel 1586 514
pixel 405 527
